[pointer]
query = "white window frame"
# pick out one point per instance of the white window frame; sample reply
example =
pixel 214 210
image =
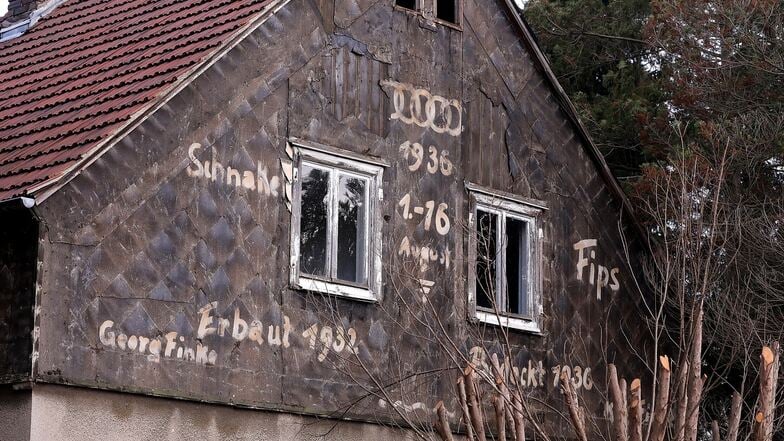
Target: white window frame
pixel 506 205
pixel 345 163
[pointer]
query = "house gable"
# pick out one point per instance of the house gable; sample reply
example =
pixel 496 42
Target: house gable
pixel 140 244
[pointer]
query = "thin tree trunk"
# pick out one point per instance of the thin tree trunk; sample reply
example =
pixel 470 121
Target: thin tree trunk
pixel 625 400
pixel 519 418
pixel 500 417
pixel 618 397
pixel 734 424
pixel 695 379
pixel 474 406
pixel 502 387
pixel 766 404
pixel 574 407
pixel 715 431
pixel 683 401
pixel 510 422
pixel 662 406
pixel 635 411
pixel 442 423
pixel 464 406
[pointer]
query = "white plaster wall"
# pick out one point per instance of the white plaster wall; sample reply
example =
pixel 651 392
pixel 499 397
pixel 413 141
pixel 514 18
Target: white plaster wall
pixel 71 413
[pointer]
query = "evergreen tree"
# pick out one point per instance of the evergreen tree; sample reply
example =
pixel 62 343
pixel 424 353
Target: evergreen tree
pixel 598 51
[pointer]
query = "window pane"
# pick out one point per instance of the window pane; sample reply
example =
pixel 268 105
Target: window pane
pixel 517 265
pixel 314 213
pixel 486 251
pixel 352 229
pixel 408 4
pixel 446 10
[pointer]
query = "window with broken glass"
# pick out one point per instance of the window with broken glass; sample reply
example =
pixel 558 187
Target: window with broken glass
pixel 444 11
pixel 504 285
pixel 335 236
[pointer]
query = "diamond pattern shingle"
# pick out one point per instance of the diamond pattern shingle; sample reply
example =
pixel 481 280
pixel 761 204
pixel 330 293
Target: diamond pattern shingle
pixel 83 71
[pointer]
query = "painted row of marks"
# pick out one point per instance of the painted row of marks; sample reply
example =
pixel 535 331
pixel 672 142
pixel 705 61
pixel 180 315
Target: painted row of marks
pixel 419 107
pixel 427 254
pixel 599 276
pixel 430 213
pixel 533 375
pixel 214 171
pixel 435 161
pixel 414 106
pixel 172 345
pixel 337 341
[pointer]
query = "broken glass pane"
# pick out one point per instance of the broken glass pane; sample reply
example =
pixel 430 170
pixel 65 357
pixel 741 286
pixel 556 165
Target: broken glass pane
pixel 517 265
pixel 352 229
pixel 408 4
pixel 446 10
pixel 486 251
pixel 314 216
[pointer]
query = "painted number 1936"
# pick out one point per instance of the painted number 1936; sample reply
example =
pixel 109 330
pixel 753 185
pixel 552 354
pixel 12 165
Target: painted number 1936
pixel 435 161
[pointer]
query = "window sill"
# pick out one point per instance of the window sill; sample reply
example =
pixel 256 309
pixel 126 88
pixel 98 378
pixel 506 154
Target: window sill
pixel 449 24
pixel 520 324
pixel 336 289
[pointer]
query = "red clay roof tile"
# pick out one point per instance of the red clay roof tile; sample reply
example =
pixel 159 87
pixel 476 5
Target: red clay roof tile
pixel 84 70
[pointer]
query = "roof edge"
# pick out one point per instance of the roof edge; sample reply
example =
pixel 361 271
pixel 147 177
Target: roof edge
pixel 47 188
pixel 571 112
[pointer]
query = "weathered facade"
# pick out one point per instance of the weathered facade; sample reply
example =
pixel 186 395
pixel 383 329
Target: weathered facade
pixel 161 263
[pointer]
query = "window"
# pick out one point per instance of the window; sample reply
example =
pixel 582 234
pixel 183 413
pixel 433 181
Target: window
pixel 505 255
pixel 408 4
pixel 335 244
pixel 446 11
